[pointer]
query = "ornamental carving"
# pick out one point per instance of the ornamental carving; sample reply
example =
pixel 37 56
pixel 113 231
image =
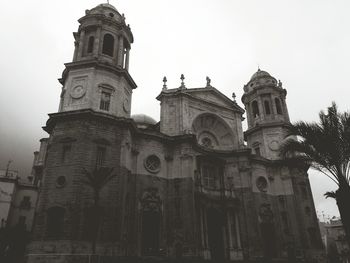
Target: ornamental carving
pixel 151 201
pixel 265 213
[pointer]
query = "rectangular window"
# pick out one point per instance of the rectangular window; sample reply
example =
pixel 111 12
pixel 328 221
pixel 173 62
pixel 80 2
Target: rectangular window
pixel 25 203
pixel 257 151
pixel 105 101
pixel 282 201
pixel 65 153
pixel 209 176
pixel 100 156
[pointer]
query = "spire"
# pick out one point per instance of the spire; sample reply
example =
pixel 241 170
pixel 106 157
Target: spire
pixel 182 82
pixel 164 83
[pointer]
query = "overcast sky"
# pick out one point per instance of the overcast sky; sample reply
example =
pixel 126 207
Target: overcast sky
pixel 305 44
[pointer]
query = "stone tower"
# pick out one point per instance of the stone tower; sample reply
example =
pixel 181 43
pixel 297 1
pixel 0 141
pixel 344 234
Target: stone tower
pixel 98 76
pixel 267 114
pixel 87 134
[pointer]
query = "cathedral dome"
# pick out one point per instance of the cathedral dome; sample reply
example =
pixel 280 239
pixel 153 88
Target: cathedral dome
pixel 107 10
pixel 260 74
pixel 143 120
pixel 260 78
pixel 106 5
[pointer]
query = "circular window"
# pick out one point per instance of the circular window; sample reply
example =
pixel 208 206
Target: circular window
pixel 152 164
pixel 61 181
pixel 206 142
pixel 111 14
pixel 261 184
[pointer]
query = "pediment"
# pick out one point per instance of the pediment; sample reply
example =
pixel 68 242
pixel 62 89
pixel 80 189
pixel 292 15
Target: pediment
pixel 212 95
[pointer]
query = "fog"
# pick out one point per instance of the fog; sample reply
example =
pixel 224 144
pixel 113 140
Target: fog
pixel 305 44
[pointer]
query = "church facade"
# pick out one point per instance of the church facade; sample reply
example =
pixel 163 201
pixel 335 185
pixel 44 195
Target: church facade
pixel 185 187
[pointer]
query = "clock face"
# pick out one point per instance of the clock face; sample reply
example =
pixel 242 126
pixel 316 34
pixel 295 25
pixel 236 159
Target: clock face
pixel 126 105
pixel 78 92
pixel 274 145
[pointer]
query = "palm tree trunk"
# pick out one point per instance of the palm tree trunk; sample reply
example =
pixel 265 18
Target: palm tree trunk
pixel 343 199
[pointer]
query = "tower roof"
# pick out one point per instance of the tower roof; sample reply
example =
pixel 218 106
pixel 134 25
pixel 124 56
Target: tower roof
pixel 261 79
pixel 106 5
pixel 259 74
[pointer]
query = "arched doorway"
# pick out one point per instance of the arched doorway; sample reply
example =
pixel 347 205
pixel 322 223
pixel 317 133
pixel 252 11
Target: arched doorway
pixel 150 222
pixel 215 224
pixel 150 232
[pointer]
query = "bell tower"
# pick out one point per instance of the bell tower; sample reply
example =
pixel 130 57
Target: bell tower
pixel 265 102
pixel 98 77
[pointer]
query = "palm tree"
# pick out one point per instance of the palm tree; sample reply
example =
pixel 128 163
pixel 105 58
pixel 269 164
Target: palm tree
pixel 97 179
pixel 325 146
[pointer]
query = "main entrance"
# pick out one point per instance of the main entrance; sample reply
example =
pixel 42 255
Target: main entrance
pixel 215 223
pixel 150 233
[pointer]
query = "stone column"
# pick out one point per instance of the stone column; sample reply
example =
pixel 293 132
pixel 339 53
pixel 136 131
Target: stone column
pixel 120 52
pixel 76 44
pixel 229 230
pixel 116 50
pixel 238 236
pixel 97 42
pixel 81 44
pixel 127 59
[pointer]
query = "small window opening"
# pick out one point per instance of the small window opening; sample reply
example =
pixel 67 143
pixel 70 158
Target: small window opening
pixel 91 44
pixel 257 151
pixel 108 45
pixel 25 203
pixel 105 101
pixel 278 106
pixel 255 109
pixel 65 153
pixel 267 107
pixel 100 156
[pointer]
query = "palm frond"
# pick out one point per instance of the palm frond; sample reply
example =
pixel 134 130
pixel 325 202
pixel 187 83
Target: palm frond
pixel 325 146
pixel 331 194
pixel 98 178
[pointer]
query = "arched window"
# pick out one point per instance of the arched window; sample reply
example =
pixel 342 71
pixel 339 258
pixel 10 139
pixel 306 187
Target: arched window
pixel 255 109
pixel 108 45
pixel 267 107
pixel 90 44
pixel 55 219
pixel 278 106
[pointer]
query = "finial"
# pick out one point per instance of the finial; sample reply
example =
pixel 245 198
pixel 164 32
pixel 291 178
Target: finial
pixel 234 97
pixel 123 17
pixel 182 81
pixel 164 81
pixel 258 67
pixel 208 82
pixel 107 1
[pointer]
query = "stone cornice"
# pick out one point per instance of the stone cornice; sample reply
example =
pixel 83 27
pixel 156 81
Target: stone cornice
pixel 98 65
pixel 179 92
pixel 130 124
pixel 263 89
pixel 279 162
pixel 259 127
